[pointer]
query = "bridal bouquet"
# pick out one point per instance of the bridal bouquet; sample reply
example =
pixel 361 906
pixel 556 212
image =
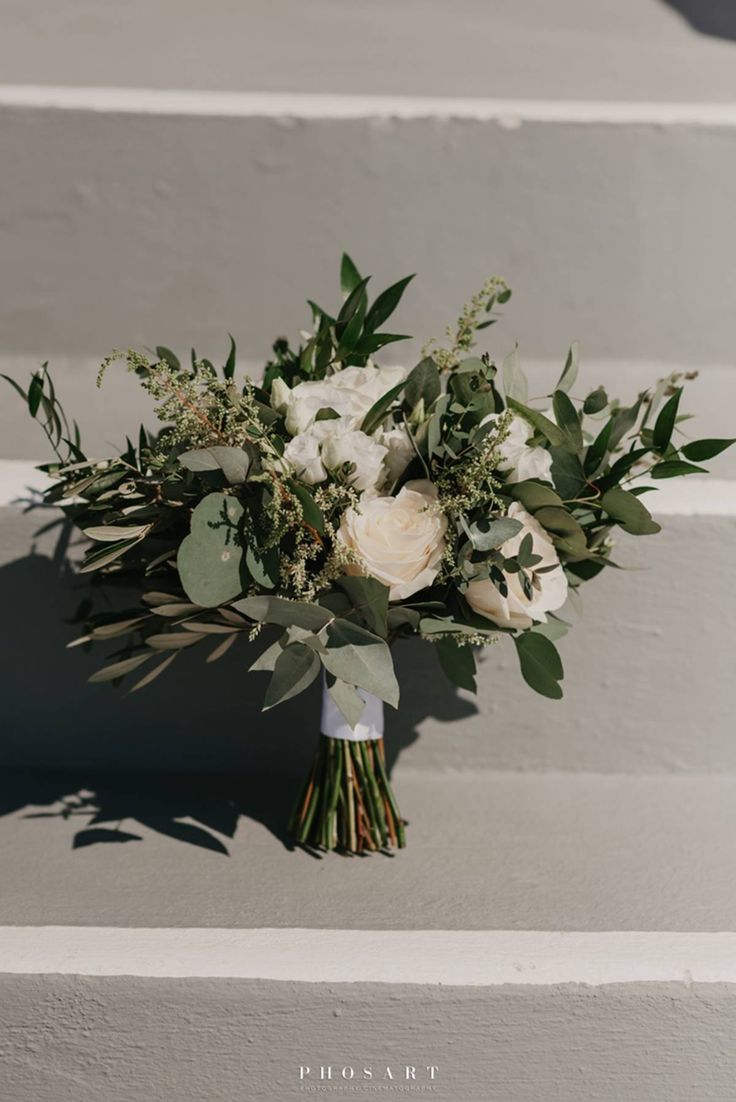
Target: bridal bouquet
pixel 340 505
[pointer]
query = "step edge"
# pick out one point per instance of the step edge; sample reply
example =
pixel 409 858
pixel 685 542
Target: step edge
pixel 464 958
pixel 509 113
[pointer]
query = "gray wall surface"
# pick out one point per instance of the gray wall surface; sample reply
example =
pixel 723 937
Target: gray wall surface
pixel 74 1039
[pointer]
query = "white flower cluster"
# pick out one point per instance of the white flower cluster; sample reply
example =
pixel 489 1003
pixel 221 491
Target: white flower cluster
pixel 401 540
pixel 319 447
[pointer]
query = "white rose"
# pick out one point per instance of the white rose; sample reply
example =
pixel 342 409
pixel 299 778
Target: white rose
pixel 350 392
pixel 371 381
pixel 400 450
pixel 306 399
pixel 302 453
pixel 398 540
pixel 548 593
pixel 517 458
pixel 355 447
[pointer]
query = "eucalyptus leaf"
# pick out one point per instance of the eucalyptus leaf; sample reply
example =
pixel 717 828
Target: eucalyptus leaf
pixel 570 370
pixel 294 670
pixel 233 462
pixel 540 663
pixel 514 380
pixel 349 702
pixel 458 663
pixel 665 423
pixel 542 424
pixel 362 659
pixel 628 511
pixel 369 597
pixel 280 610
pixel 209 560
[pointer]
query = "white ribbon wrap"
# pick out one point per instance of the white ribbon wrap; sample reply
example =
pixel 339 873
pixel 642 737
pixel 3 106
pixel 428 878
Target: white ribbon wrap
pixel 369 726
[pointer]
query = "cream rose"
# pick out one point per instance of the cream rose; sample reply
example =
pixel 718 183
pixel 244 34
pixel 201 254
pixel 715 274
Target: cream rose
pixel 363 452
pixel 518 459
pixel 398 540
pixel 549 591
pixel 400 450
pixel 350 392
pixel 328 445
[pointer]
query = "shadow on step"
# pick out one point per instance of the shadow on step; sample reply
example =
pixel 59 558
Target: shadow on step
pixel 197 718
pixel 112 807
pixel 713 17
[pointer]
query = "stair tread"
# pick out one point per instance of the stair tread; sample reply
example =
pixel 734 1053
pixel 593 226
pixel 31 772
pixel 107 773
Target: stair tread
pixel 487 850
pixel 628 49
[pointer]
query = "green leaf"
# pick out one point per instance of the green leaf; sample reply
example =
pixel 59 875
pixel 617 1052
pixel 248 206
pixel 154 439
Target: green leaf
pixel 548 429
pixel 111 533
pixel 534 495
pixel 350 277
pixel 295 669
pixel 570 370
pixel 103 556
pixel 385 304
pixel 596 401
pixel 568 419
pixel 209 559
pixel 562 524
pixel 35 393
pixel 310 509
pixel 348 700
pixel 168 357
pixel 118 669
pixel 487 535
pixel 280 610
pixel 423 383
pixel 568 475
pixel 628 511
pixel 354 304
pixel 229 368
pixel 362 659
pixel 18 389
pixel 540 663
pixel 672 468
pixel 702 450
pixel 665 423
pixel 369 597
pixel 458 663
pixel 598 450
pixel 263 565
pixel 622 422
pixel 514 380
pixel 233 462
pixel 267 660
pixel 377 413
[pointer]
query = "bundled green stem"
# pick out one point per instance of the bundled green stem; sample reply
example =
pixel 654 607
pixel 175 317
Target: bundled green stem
pixel 347 803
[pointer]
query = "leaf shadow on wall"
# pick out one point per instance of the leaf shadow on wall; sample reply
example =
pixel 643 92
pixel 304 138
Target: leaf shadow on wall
pixel 712 17
pixel 186 757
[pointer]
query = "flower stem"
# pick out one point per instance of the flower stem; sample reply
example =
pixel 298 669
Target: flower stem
pixel 347 803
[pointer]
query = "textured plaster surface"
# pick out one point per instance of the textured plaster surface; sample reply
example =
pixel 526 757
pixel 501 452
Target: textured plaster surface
pixel 486 851
pixel 71 1039
pixel 618 49
pixel 143 229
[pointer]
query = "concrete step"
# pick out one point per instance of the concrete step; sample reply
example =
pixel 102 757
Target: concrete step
pixel 141 217
pixel 648 685
pixel 614 50
pixel 560 937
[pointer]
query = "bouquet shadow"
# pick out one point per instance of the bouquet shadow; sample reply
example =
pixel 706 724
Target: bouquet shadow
pixel 187 757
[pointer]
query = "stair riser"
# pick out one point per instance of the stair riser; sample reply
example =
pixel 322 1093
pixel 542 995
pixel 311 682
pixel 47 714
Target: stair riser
pixel 130 227
pixel 78 1039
